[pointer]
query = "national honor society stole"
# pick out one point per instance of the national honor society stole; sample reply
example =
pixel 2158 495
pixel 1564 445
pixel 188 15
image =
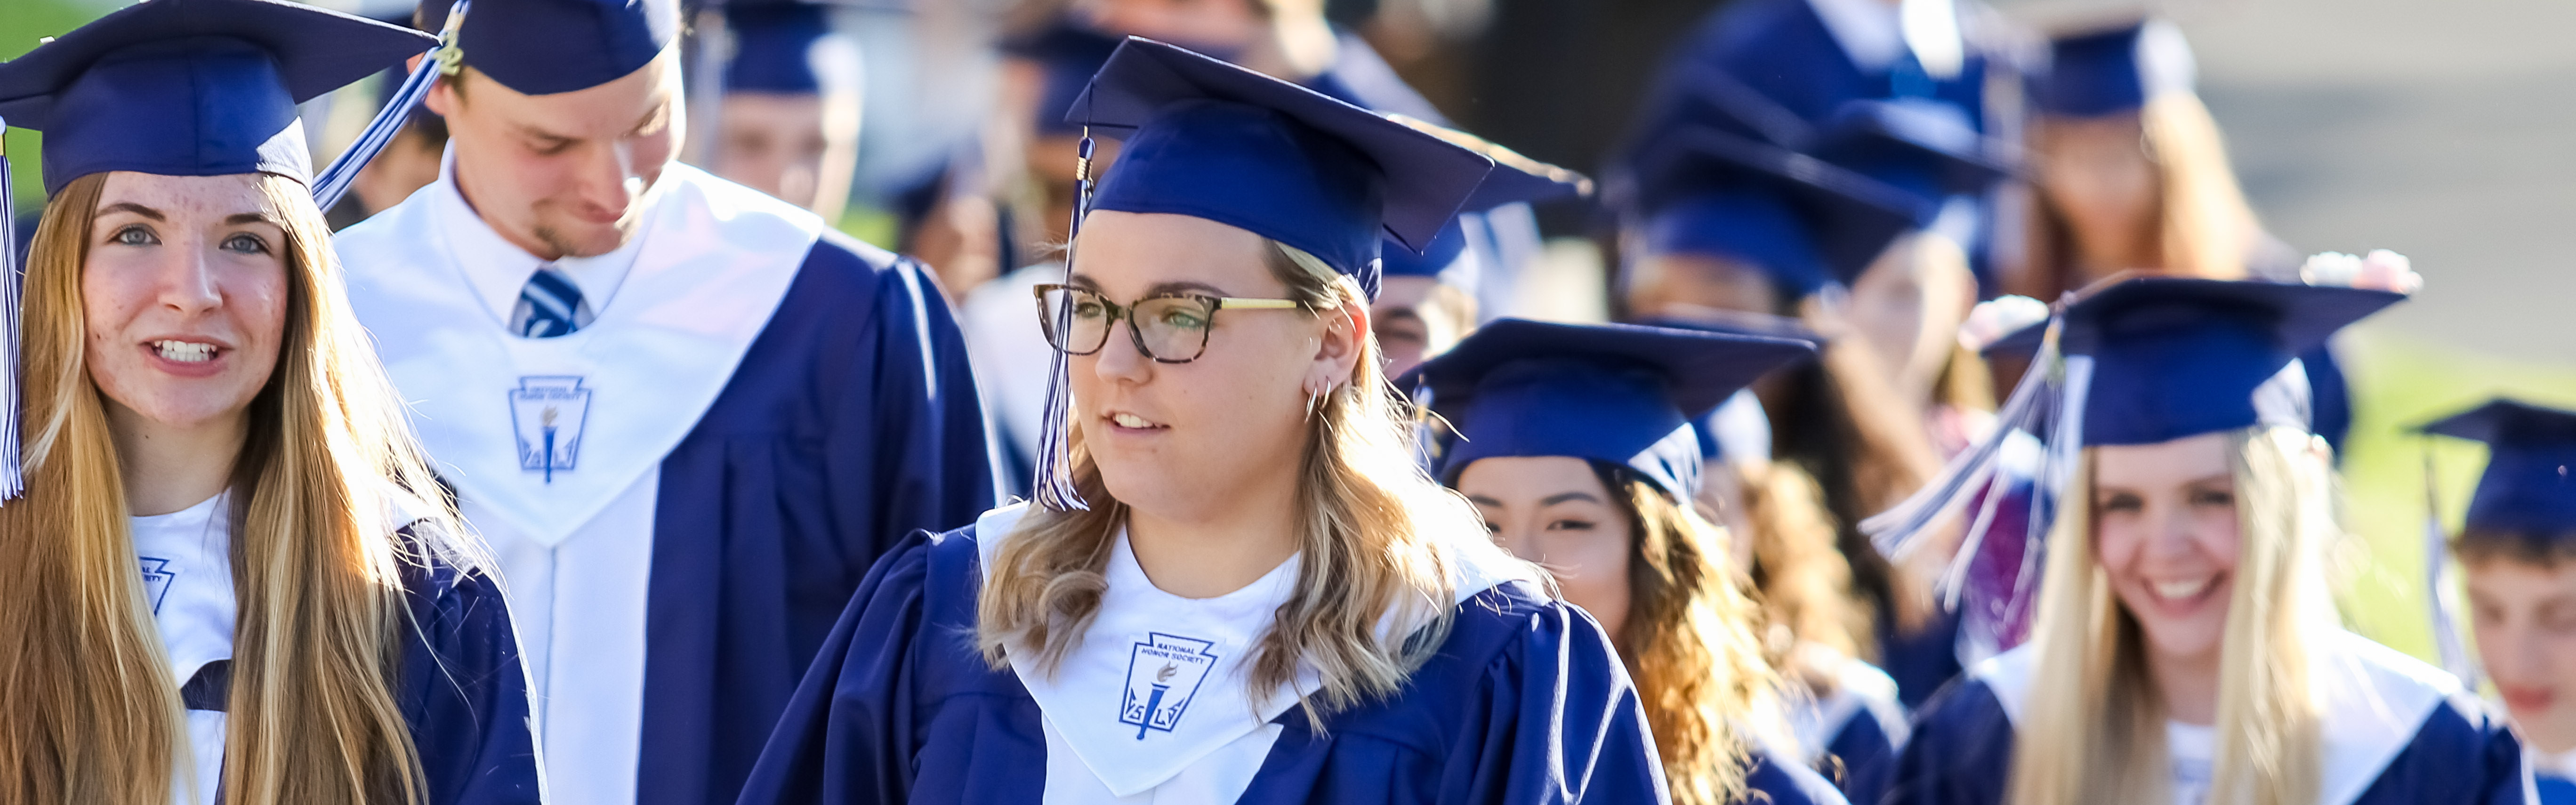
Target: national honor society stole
pixel 547 413
pixel 1163 675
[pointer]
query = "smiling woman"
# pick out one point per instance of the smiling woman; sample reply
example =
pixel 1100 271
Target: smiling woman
pixel 230 577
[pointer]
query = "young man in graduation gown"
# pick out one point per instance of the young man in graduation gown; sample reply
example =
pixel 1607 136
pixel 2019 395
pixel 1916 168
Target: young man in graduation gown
pixel 2517 552
pixel 686 416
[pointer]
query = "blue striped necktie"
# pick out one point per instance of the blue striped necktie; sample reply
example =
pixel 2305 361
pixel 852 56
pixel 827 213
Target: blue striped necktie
pixel 549 306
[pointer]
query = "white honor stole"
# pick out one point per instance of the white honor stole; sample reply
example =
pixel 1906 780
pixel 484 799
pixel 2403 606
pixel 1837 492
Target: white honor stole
pixel 1154 705
pixel 555 445
pixel 2371 701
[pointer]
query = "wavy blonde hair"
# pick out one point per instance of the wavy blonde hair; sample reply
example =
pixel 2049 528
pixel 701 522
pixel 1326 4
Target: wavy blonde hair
pixel 1689 642
pixel 2204 226
pixel 1800 579
pixel 2094 730
pixel 93 710
pixel 1376 538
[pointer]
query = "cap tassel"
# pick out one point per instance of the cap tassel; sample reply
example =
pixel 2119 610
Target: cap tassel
pixel 2447 642
pixel 334 181
pixel 13 477
pixel 1053 487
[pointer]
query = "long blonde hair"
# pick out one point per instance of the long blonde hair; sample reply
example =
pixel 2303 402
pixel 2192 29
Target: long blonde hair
pixel 1376 537
pixel 1690 644
pixel 2204 226
pixel 2093 729
pixel 93 713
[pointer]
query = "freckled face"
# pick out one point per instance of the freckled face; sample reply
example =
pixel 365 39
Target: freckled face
pixel 185 294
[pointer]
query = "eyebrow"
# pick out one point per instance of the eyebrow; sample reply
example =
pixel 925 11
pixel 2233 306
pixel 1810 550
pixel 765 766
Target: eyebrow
pixel 1158 289
pixel 137 209
pixel 239 218
pixel 1481 500
pixel 1567 497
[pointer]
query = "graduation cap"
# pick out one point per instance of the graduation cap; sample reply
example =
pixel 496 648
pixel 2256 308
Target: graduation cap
pixel 773 46
pixel 2530 481
pixel 2133 361
pixel 1211 140
pixel 542 47
pixel 1515 179
pixel 2114 70
pixel 174 88
pixel 1739 428
pixel 1805 222
pixel 191 87
pixel 1620 393
pixel 1924 147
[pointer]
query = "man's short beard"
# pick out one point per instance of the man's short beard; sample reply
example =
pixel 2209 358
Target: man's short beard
pixel 557 243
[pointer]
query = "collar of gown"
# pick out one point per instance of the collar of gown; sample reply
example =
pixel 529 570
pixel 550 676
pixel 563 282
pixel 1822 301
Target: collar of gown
pixel 1158 682
pixel 2371 700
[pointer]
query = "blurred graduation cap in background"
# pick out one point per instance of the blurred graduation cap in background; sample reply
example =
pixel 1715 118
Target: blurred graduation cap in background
pixel 1804 222
pixel 2113 69
pixel 1627 395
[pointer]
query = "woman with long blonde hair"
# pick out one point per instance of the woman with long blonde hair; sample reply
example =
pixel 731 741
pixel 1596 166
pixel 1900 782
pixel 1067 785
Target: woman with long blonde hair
pixel 1578 445
pixel 1236 584
pixel 2186 649
pixel 229 576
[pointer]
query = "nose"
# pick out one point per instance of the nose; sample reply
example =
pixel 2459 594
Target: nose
pixel 1119 360
pixel 2173 533
pixel 188 284
pixel 608 182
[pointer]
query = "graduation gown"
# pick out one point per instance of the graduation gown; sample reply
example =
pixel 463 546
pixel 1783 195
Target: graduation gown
pixel 1851 736
pixel 1525 702
pixel 2394 731
pixel 761 409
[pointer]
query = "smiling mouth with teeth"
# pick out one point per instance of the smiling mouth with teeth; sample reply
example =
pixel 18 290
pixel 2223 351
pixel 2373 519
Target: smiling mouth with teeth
pixel 184 351
pixel 1130 421
pixel 2178 590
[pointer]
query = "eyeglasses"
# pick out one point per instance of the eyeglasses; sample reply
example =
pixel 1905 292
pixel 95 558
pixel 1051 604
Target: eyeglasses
pixel 1169 328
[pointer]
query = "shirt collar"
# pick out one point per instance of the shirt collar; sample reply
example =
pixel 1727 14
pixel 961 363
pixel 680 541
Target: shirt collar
pixel 497 270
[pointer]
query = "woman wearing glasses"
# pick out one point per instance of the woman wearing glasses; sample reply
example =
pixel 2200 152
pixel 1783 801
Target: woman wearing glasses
pixel 1237 584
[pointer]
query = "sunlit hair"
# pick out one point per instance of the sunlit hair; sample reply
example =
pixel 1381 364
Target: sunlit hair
pixel 2093 729
pixel 1689 643
pixel 1802 583
pixel 2204 226
pixel 93 713
pixel 1376 538
pixel 1867 450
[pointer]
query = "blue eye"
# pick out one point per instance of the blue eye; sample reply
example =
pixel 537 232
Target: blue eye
pixel 245 244
pixel 136 235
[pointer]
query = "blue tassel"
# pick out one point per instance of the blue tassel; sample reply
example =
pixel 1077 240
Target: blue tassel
pixel 334 181
pixel 13 474
pixel 1053 486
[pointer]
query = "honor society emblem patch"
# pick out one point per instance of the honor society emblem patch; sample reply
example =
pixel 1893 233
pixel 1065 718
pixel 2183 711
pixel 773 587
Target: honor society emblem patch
pixel 547 413
pixel 1163 674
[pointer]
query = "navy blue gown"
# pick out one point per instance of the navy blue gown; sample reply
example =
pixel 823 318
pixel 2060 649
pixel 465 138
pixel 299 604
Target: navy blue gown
pixel 1962 746
pixel 464 691
pixel 851 422
pixel 1523 704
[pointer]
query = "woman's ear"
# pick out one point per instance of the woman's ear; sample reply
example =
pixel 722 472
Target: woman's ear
pixel 1337 348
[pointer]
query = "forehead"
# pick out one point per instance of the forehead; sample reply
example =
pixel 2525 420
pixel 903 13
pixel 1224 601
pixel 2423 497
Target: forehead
pixel 1126 252
pixel 771 110
pixel 1519 478
pixel 2510 578
pixel 605 111
pixel 2184 460
pixel 186 195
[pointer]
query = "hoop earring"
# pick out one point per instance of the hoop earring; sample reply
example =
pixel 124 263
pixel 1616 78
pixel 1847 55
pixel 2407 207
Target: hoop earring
pixel 1312 401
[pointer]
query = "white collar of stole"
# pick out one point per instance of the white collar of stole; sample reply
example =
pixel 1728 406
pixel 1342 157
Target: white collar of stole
pixel 546 432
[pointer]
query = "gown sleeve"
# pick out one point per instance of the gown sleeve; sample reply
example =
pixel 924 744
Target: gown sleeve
pixel 1559 722
pixel 847 734
pixel 912 436
pixel 1776 780
pixel 1863 756
pixel 465 692
pixel 2461 753
pixel 1959 752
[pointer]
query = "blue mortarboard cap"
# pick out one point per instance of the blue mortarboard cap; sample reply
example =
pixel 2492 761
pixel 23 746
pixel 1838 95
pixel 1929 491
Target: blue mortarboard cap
pixel 1208 139
pixel 2176 357
pixel 542 47
pixel 1619 393
pixel 773 46
pixel 1739 428
pixel 1516 179
pixel 1924 147
pixel 1805 221
pixel 191 87
pixel 1069 54
pixel 2530 482
pixel 2114 70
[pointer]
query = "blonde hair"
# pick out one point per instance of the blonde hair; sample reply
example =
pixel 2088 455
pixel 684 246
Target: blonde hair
pixel 1689 642
pixel 2094 731
pixel 1376 538
pixel 94 714
pixel 2204 226
pixel 1803 582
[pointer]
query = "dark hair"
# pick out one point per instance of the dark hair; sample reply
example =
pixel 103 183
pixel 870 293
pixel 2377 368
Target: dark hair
pixel 2547 549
